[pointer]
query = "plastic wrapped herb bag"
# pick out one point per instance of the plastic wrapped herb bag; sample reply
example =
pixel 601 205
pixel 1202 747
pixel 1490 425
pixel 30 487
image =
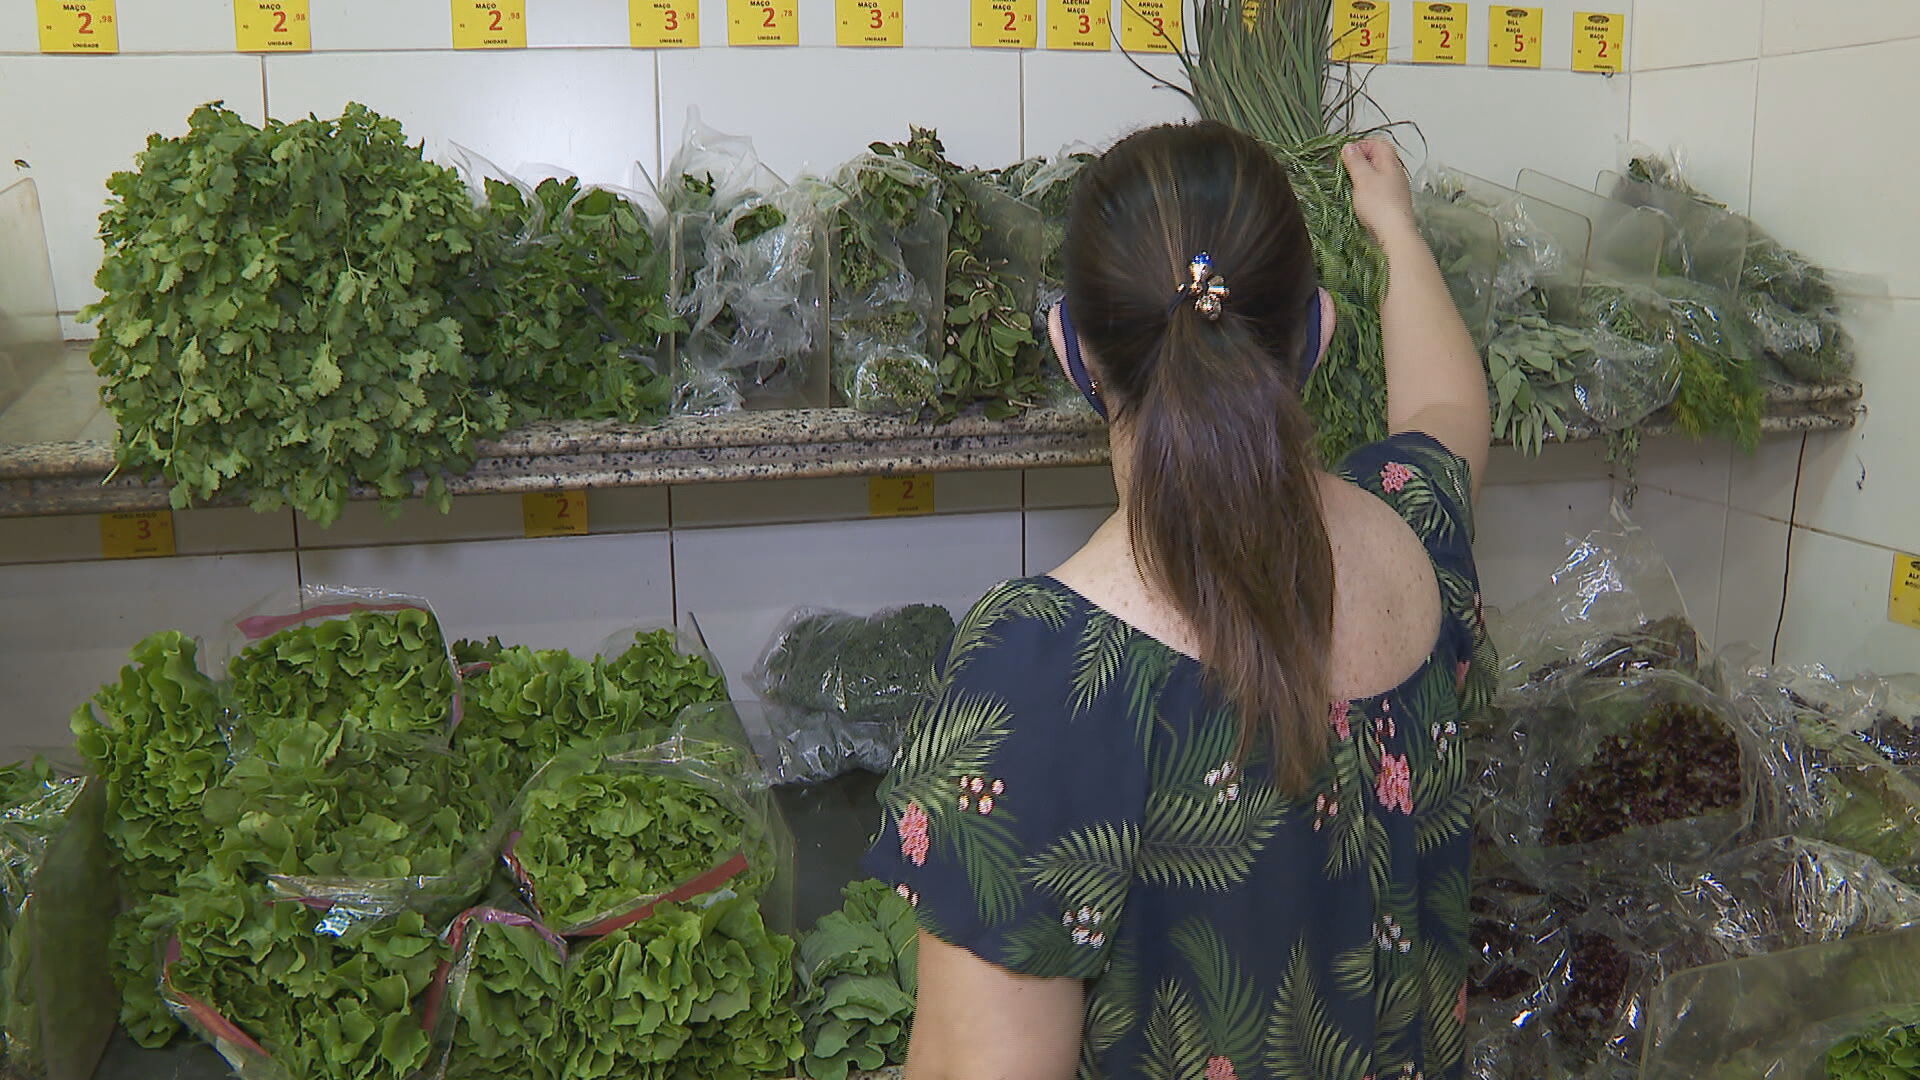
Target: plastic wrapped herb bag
pixel 1719 391
pixel 1843 1009
pixel 497 1002
pixel 807 746
pixel 878 668
pixel 887 252
pixel 1787 892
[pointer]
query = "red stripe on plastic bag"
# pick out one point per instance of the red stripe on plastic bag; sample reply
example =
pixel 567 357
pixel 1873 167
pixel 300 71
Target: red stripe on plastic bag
pixel 705 883
pixel 204 1014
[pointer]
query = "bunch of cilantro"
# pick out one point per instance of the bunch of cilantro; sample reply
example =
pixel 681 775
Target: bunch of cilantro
pixel 858 972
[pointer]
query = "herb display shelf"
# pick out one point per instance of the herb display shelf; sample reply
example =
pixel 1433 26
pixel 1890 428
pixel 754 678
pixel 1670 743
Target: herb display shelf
pixel 72 477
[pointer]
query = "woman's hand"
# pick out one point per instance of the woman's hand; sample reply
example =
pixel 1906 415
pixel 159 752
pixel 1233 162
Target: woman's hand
pixel 1382 193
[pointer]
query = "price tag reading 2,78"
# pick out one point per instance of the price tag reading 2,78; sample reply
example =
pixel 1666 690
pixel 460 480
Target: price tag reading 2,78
pixel 78 26
pixel 1439 32
pixel 1006 24
pixel 763 22
pixel 665 24
pixel 272 26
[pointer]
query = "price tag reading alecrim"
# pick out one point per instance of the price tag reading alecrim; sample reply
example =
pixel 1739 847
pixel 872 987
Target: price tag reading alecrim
pixel 1599 40
pixel 78 26
pixel 1439 32
pixel 900 496
pixel 1360 31
pixel 143 534
pixel 665 24
pixel 1080 25
pixel 1513 40
pixel 1005 24
pixel 1152 26
pixel 272 26
pixel 489 24
pixel 554 513
pixel 763 22
pixel 1903 602
pixel 871 24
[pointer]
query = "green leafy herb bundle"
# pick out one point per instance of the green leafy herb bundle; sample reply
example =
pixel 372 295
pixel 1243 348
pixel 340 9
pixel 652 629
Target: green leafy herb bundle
pixel 1719 387
pixel 878 668
pixel 37 806
pixel 506 998
pixel 1889 1049
pixel 858 972
pixel 276 317
pixel 389 669
pixel 667 679
pixel 882 248
pixel 686 993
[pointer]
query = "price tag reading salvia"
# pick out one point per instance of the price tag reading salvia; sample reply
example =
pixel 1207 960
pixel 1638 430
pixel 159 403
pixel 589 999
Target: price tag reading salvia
pixel 78 26
pixel 665 24
pixel 1360 31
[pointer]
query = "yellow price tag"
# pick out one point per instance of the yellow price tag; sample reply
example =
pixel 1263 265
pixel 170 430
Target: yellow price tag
pixel 78 26
pixel 1005 24
pixel 1360 31
pixel 871 24
pixel 1903 601
pixel 1513 39
pixel 143 534
pixel 900 496
pixel 763 22
pixel 1152 26
pixel 1250 12
pixel 272 26
pixel 1599 42
pixel 665 24
pixel 1080 25
pixel 554 513
pixel 1439 32
pixel 489 24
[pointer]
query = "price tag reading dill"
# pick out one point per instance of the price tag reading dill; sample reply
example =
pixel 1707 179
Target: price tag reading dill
pixel 272 26
pixel 664 24
pixel 900 496
pixel 554 513
pixel 1599 42
pixel 1006 24
pixel 763 22
pixel 145 534
pixel 1903 602
pixel 1152 26
pixel 489 24
pixel 78 26
pixel 871 24
pixel 1513 37
pixel 1439 33
pixel 1360 31
pixel 1080 25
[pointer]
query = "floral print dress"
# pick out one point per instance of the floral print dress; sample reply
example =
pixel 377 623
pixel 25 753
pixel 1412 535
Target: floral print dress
pixel 1070 806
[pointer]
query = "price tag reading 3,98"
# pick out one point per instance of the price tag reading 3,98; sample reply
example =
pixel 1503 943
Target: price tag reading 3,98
pixel 1080 25
pixel 1599 40
pixel 1360 31
pixel 1006 24
pixel 1152 26
pixel 1514 38
pixel 763 22
pixel 272 26
pixel 871 24
pixel 1439 32
pixel 78 26
pixel 143 535
pixel 489 24
pixel 554 513
pixel 665 24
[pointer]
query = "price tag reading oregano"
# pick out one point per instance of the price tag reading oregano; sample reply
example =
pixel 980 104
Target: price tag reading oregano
pixel 554 513
pixel 1599 42
pixel 867 24
pixel 1513 39
pixel 900 496
pixel 489 24
pixel 143 534
pixel 763 22
pixel 665 24
pixel 78 26
pixel 272 26
pixel 1080 25
pixel 1152 26
pixel 1439 32
pixel 1005 24
pixel 1360 31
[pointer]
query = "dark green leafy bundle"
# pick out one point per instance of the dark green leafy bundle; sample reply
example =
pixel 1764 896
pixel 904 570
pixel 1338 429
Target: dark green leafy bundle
pixel 390 669
pixel 1678 761
pixel 276 317
pixel 569 312
pixel 878 668
pixel 1887 1050
pixel 858 974
pixel 506 995
pixel 883 246
pixel 1720 392
pixel 687 994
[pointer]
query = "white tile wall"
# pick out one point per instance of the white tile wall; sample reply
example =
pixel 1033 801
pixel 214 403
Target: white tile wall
pixel 1521 532
pixel 1691 534
pixel 1752 576
pixel 1684 33
pixel 1705 116
pixel 1804 25
pixel 1493 122
pixel 1094 98
pixel 1052 536
pixel 1692 468
pixel 1837 608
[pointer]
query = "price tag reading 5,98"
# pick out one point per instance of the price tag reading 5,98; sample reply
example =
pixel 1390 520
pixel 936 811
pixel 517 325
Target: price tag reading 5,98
pixel 78 26
pixel 871 24
pixel 272 26
pixel 1514 40
pixel 762 22
pixel 1005 24
pixel 665 24
pixel 489 24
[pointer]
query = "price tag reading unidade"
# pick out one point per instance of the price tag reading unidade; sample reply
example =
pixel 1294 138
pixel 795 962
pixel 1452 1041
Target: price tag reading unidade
pixel 871 24
pixel 554 513
pixel 1005 24
pixel 1360 31
pixel 78 26
pixel 144 534
pixel 665 24
pixel 763 22
pixel 1152 26
pixel 1903 602
pixel 489 24
pixel 900 496
pixel 272 26
pixel 1080 25
pixel 1599 42
pixel 1513 40
pixel 1439 33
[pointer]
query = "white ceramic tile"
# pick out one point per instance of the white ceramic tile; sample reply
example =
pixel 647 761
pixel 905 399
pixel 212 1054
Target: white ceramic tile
pixel 65 538
pixel 1091 486
pixel 1762 482
pixel 1801 25
pixel 1556 463
pixel 1829 176
pixel 563 593
pixel 740 582
pixel 344 25
pixel 177 26
pixel 1837 609
pixel 1054 535
pixel 479 517
pixel 1095 98
pixel 68 626
pixel 125 99
pixel 1681 33
pixel 1691 535
pixel 811 109
pixel 590 112
pixel 1704 117
pixel 1521 533
pixel 18 31
pixel 1697 469
pixel 772 502
pixel 1752 577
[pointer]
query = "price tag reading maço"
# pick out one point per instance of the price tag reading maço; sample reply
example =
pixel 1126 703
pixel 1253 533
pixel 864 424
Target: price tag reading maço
pixel 900 496
pixel 1513 37
pixel 1006 24
pixel 489 24
pixel 1599 42
pixel 1152 26
pixel 143 534
pixel 1080 25
pixel 868 24
pixel 1903 600
pixel 1439 32
pixel 554 513
pixel 763 22
pixel 78 26
pixel 272 26
pixel 665 24
pixel 1360 31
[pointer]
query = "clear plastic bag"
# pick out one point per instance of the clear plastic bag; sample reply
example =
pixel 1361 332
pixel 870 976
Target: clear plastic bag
pixel 495 1005
pixel 887 251
pixel 872 669
pixel 803 747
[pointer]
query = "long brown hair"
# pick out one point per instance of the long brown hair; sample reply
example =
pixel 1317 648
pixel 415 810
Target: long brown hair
pixel 1225 512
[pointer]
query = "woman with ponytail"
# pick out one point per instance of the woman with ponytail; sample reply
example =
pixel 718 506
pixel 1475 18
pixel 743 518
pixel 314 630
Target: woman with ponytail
pixel 1194 805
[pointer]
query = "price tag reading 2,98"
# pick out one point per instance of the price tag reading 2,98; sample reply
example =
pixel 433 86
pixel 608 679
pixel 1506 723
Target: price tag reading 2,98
pixel 1599 39
pixel 1360 31
pixel 665 24
pixel 870 24
pixel 489 24
pixel 78 26
pixel 763 22
pixel 1152 26
pixel 1006 24
pixel 1514 38
pixel 1080 25
pixel 272 26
